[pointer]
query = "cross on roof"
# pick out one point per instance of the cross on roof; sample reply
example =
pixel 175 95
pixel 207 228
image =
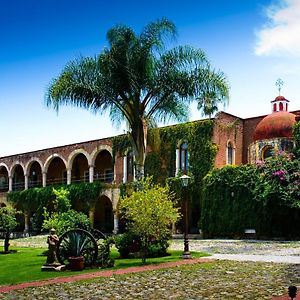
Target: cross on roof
pixel 279 83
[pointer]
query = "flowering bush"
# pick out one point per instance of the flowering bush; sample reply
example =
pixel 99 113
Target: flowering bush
pixel 278 179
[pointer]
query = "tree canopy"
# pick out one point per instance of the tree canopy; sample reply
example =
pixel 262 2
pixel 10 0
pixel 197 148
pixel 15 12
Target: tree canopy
pixel 139 81
pixel 150 211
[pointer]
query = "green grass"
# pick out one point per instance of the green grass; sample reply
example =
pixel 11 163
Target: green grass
pixel 25 264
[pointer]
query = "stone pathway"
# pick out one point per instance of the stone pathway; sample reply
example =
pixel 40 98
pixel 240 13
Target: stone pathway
pixel 108 273
pixel 239 270
pixel 222 280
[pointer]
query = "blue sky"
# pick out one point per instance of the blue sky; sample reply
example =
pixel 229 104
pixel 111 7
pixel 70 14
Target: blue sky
pixel 253 41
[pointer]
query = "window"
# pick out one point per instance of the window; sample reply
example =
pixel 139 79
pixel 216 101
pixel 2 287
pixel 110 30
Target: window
pixel 184 157
pixel 280 106
pixel 229 154
pixel 267 152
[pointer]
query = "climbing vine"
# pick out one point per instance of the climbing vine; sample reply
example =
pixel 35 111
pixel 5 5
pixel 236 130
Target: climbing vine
pixel 120 144
pixel 34 200
pixel 296 136
pixel 160 162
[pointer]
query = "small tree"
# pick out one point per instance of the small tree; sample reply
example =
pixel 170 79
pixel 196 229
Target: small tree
pixel 149 212
pixel 64 218
pixel 7 222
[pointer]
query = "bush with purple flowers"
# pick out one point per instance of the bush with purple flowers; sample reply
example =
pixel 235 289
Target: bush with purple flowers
pixel 278 179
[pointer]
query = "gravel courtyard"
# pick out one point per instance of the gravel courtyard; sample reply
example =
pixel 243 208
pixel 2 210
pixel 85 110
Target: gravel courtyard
pixel 218 279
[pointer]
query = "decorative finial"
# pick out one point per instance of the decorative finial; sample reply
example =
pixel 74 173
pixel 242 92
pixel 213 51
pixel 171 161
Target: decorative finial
pixel 279 83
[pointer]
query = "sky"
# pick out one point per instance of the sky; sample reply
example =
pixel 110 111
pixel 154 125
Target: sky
pixel 254 42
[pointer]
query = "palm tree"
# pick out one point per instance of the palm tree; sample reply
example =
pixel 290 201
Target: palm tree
pixel 212 94
pixel 138 81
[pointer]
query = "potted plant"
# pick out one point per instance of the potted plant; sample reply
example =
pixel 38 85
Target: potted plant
pixel 76 260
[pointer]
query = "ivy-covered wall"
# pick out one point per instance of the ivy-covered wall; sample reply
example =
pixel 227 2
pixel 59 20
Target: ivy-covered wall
pixel 161 157
pixel 296 136
pixel 249 196
pixel 32 201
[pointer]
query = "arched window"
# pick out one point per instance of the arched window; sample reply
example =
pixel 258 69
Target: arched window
pixel 267 152
pixel 230 154
pixel 280 106
pixel 184 157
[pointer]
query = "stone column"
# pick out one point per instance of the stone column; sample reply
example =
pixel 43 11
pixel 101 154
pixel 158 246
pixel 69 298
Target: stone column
pixel 116 223
pixel 92 215
pixel 124 169
pixel 44 179
pixel 91 174
pixel 26 182
pixel 26 221
pixel 115 195
pixel 10 183
pixel 69 174
pixel 177 161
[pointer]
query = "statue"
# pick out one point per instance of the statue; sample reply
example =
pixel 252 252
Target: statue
pixel 52 241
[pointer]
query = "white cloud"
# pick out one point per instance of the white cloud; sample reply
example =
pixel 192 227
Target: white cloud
pixel 281 35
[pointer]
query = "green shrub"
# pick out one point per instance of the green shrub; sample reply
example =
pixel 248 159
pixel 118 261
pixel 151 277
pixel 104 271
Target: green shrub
pixel 149 212
pixel 264 196
pixel 127 243
pixel 64 218
pixel 104 260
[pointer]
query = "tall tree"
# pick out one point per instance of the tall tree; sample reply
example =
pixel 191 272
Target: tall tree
pixel 137 80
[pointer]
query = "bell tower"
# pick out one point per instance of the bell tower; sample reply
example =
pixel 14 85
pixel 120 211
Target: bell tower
pixel 279 103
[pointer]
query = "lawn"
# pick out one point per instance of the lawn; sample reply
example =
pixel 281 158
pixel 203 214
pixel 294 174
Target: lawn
pixel 25 264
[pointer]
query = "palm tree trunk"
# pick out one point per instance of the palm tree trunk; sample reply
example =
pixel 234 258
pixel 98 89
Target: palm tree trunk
pixel 139 136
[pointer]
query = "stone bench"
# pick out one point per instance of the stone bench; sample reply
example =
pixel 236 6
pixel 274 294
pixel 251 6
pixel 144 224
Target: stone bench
pixel 250 233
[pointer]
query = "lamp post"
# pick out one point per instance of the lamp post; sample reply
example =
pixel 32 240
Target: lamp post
pixel 185 182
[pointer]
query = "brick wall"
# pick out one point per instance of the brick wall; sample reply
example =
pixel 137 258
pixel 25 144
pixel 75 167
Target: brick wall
pixel 228 128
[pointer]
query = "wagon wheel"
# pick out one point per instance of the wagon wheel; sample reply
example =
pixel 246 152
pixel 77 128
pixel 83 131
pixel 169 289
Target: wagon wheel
pixel 77 242
pixel 98 235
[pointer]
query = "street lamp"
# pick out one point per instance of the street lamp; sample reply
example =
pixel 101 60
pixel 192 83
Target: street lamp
pixel 185 182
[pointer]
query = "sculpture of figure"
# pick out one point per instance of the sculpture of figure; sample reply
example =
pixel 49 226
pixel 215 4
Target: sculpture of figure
pixel 52 241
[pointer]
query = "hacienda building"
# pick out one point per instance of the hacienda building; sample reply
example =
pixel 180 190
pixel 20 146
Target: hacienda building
pixel 239 141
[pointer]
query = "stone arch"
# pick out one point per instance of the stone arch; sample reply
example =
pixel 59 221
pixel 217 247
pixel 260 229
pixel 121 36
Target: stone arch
pixel 103 215
pixel 5 166
pixel 56 170
pixel 102 161
pixel 4 181
pixel 30 162
pixel 34 169
pixel 18 176
pixel 73 154
pixel 49 160
pixel 78 166
pixel 180 142
pixel 14 165
pixel 98 150
pixel 267 151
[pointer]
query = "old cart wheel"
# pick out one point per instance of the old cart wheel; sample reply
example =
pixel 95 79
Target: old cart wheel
pixel 77 242
pixel 98 235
